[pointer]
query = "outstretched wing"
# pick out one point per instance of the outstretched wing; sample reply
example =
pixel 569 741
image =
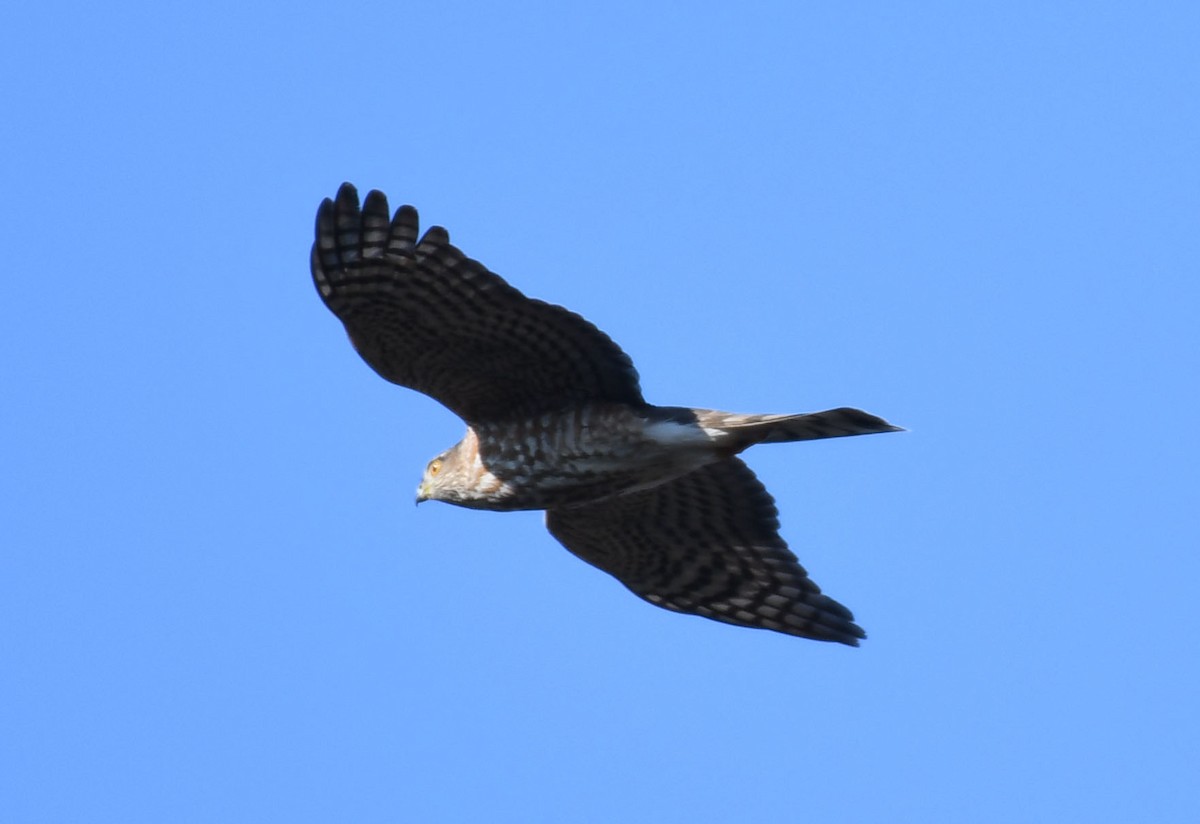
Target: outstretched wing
pixel 425 316
pixel 708 544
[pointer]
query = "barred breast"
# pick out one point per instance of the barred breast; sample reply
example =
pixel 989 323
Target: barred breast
pixel 586 454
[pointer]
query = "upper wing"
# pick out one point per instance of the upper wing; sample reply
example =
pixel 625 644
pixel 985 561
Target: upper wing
pixel 708 544
pixel 424 315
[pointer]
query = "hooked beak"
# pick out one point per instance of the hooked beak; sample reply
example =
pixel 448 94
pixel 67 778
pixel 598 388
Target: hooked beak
pixel 421 494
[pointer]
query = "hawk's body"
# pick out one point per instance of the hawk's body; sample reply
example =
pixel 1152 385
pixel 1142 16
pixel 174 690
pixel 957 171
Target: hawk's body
pixel 595 451
pixel 556 421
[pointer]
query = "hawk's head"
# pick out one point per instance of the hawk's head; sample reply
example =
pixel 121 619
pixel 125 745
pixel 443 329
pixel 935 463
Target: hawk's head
pixel 458 476
pixel 444 478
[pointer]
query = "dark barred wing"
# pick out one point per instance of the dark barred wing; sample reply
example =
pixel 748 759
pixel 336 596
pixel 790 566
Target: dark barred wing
pixel 425 316
pixel 707 544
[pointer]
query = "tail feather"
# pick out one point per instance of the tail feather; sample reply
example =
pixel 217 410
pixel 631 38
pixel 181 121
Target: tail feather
pixel 832 423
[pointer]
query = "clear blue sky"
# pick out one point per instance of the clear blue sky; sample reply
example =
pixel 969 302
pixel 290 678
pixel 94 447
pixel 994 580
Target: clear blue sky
pixel 981 221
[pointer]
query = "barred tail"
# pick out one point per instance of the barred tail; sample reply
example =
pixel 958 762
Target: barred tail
pixel 832 423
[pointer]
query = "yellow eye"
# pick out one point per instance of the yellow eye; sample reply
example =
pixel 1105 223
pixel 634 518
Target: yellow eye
pixel 435 467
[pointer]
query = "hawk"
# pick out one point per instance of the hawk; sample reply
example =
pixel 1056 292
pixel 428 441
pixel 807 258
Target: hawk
pixel 654 495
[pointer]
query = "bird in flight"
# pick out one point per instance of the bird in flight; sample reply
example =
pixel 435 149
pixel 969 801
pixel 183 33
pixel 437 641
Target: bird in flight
pixel 654 495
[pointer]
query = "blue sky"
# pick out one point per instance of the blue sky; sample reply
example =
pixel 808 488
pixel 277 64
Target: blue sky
pixel 979 221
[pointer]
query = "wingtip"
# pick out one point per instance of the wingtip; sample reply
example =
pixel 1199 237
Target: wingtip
pixel 375 201
pixel 436 235
pixel 852 635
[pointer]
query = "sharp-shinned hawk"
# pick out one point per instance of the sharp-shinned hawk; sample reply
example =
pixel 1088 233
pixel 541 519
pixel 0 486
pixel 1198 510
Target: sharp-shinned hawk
pixel 653 495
